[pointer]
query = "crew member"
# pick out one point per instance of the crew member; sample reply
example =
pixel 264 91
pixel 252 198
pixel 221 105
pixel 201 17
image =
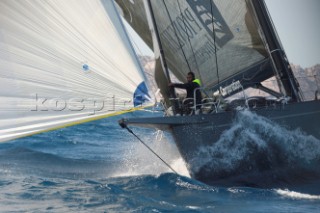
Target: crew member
pixel 191 85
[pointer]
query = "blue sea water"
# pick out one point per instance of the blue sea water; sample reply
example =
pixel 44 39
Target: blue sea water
pixel 99 167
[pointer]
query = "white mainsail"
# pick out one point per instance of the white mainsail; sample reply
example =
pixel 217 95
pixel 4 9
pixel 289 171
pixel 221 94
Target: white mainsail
pixel 63 62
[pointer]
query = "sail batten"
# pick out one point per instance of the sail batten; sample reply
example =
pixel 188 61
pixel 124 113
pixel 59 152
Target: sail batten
pixel 63 63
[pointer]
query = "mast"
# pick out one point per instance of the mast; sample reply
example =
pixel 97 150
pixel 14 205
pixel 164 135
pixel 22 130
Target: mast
pixel 162 57
pixel 277 53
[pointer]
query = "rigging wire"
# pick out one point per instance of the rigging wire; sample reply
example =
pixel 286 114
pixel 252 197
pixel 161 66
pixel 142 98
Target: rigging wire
pixel 214 42
pixel 193 54
pixel 124 125
pixel 176 34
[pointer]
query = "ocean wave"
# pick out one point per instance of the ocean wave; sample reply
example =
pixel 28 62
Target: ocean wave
pixel 257 152
pixel 21 160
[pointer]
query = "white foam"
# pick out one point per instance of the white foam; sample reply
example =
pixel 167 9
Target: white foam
pixel 138 160
pixel 180 167
pixel 193 207
pixel 297 195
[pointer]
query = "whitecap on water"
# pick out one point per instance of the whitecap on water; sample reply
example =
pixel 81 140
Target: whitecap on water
pixel 296 195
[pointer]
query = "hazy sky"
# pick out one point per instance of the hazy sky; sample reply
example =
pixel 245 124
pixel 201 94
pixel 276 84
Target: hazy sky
pixel 298 25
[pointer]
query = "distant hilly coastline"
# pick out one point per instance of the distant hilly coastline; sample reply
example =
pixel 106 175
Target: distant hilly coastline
pixel 308 78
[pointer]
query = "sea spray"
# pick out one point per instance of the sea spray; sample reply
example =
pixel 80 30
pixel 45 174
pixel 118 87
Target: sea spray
pixel 138 160
pixel 256 147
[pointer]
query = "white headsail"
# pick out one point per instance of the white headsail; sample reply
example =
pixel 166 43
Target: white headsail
pixel 63 62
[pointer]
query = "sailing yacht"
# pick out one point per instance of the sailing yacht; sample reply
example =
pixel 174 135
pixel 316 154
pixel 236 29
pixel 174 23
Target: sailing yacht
pixel 69 62
pixel 232 47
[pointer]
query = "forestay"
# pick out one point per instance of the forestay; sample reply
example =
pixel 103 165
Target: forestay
pixel 62 63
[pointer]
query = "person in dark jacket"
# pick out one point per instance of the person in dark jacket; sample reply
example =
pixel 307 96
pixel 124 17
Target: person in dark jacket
pixel 191 85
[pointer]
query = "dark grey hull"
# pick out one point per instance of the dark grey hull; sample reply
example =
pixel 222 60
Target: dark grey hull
pixel 192 132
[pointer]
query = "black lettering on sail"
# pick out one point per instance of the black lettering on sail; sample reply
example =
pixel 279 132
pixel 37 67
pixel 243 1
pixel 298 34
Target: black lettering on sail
pixel 190 19
pixel 177 33
pixel 202 9
pixel 184 27
pixel 169 35
pixel 179 30
pixel 203 54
